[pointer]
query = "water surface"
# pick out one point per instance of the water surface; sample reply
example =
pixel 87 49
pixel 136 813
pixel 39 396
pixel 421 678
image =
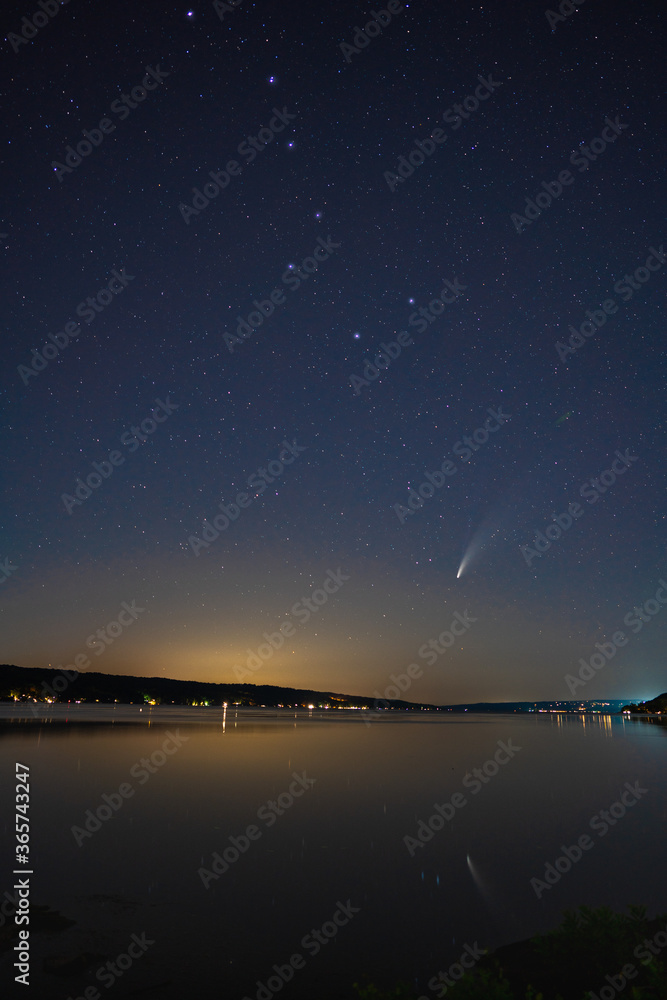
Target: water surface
pixel 342 841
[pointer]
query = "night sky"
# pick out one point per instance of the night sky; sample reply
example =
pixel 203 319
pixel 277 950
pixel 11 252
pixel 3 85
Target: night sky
pixel 143 288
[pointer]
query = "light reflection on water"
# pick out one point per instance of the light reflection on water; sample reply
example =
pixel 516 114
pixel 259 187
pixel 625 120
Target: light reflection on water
pixel 343 838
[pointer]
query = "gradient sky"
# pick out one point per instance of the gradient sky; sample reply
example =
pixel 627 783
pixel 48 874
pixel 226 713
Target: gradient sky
pixel 333 508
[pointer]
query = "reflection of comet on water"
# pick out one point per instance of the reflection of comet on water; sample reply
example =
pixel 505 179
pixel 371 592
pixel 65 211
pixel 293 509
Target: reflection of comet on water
pixel 499 910
pixel 477 879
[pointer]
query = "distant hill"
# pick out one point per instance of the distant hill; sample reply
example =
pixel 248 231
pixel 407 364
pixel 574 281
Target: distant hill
pixel 657 705
pixel 54 685
pixel 44 684
pixel 607 707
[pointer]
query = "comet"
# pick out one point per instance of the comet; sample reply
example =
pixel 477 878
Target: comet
pixel 464 563
pixel 483 535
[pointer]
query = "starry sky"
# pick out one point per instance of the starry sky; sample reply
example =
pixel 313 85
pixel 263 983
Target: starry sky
pixel 140 288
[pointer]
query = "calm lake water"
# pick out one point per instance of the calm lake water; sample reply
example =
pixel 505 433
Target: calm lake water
pixel 407 910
